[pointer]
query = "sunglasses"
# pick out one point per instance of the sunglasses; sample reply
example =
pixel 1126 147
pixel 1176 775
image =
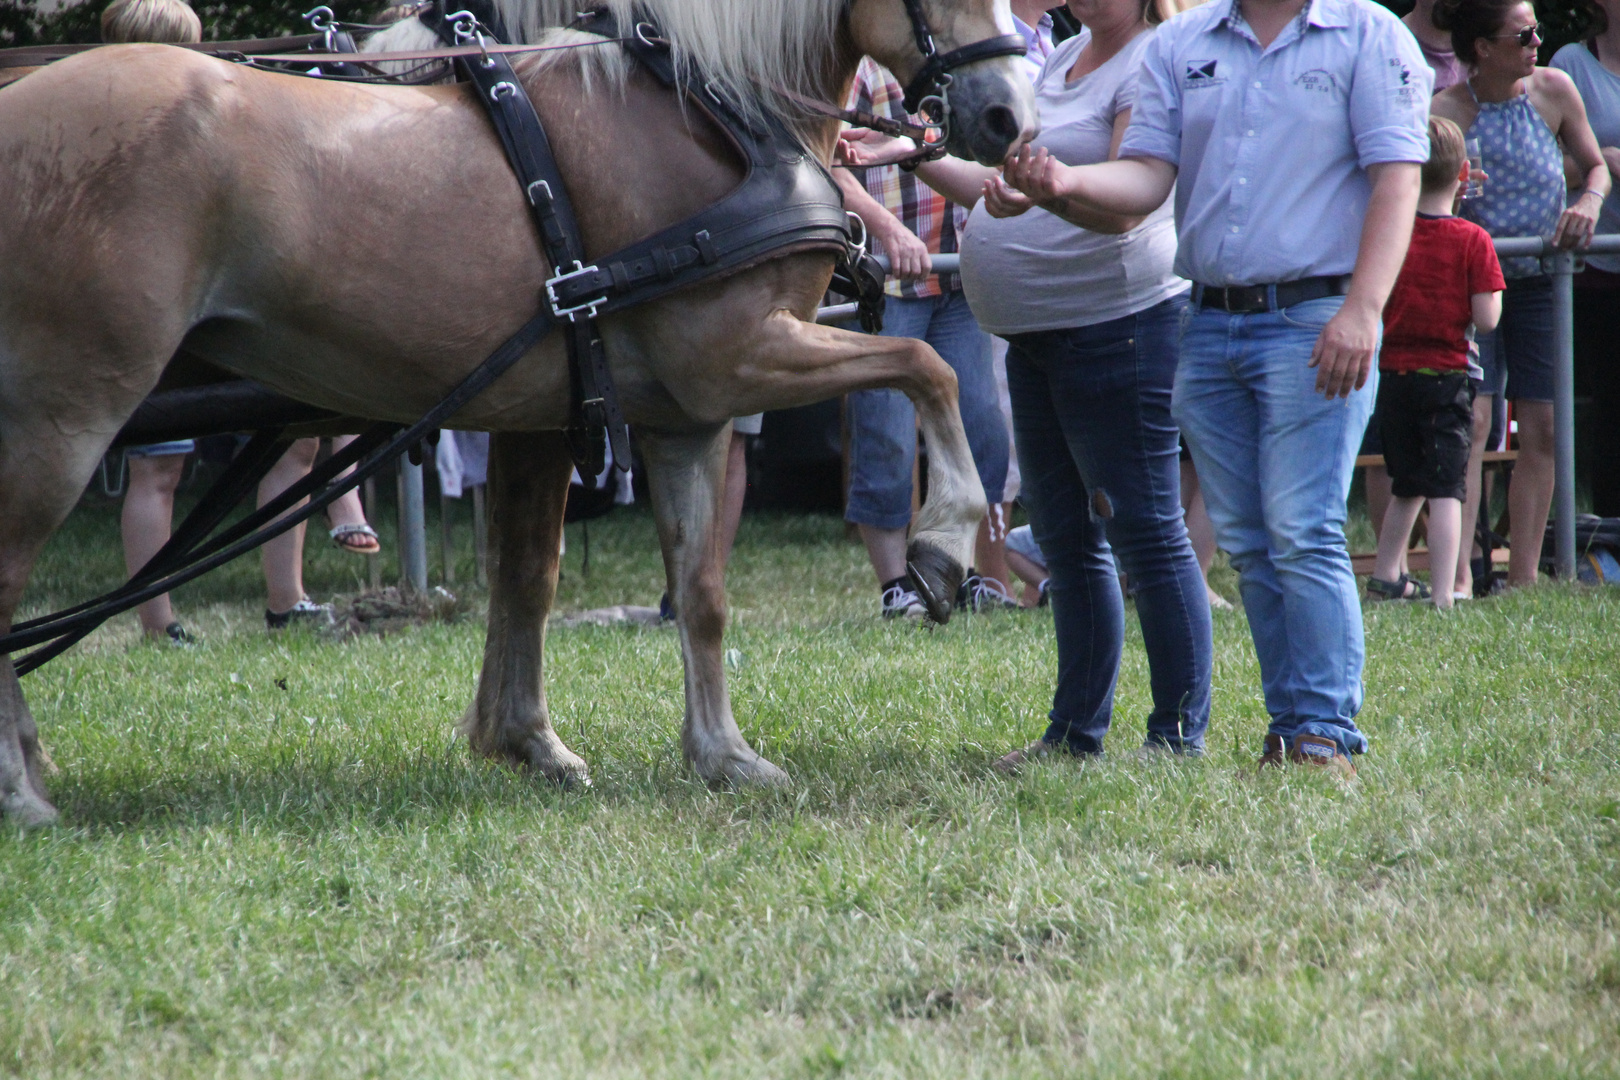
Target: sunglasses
pixel 1526 37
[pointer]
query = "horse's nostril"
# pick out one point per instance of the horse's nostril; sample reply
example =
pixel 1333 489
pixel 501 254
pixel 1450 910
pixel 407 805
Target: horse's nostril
pixel 1000 121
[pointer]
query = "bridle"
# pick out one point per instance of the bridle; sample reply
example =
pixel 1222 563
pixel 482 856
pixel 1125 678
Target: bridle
pixel 929 86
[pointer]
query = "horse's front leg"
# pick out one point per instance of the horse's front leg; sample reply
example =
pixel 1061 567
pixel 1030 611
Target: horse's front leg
pixel 687 474
pixel 798 362
pixel 508 719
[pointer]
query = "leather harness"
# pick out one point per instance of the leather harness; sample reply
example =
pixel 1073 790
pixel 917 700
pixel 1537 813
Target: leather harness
pixel 786 199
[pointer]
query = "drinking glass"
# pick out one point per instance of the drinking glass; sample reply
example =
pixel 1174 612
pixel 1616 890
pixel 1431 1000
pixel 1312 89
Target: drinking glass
pixel 1476 170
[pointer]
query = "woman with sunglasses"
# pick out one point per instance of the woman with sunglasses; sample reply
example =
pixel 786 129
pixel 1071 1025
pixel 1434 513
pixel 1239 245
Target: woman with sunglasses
pixel 1520 113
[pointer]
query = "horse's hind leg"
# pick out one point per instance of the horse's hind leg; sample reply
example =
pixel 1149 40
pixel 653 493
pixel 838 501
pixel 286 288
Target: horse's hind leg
pixel 508 719
pixel 42 472
pixel 686 474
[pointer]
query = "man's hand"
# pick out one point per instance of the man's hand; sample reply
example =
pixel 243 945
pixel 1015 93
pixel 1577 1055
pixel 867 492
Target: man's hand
pixel 1343 354
pixel 1001 201
pixel 908 256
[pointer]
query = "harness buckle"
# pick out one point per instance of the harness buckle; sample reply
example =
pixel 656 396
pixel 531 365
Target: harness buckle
pixel 589 307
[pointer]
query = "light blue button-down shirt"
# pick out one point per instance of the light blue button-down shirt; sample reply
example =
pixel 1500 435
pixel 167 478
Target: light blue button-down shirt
pixel 1273 145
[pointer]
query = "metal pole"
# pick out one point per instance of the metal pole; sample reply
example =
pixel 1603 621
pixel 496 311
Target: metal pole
pixel 447 542
pixel 480 538
pixel 1561 265
pixel 412 528
pixel 373 562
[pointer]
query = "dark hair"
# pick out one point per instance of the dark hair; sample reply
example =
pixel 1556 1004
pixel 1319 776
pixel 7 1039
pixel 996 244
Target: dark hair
pixel 1597 18
pixel 1470 20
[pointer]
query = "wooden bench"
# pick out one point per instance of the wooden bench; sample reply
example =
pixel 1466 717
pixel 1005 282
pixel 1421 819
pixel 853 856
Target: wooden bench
pixel 1417 558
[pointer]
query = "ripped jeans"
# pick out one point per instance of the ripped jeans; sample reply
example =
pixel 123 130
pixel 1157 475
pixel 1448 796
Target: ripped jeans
pixel 1101 475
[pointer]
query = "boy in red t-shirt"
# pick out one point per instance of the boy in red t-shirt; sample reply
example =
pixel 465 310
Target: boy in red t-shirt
pixel 1425 398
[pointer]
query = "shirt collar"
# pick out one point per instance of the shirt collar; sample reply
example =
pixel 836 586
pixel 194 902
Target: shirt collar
pixel 1321 13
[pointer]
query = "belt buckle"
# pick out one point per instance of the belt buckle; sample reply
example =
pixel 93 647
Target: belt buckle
pixel 589 307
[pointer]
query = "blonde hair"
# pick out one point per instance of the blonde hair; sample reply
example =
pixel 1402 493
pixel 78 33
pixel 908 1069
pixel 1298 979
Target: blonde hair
pixel 1447 152
pixel 165 21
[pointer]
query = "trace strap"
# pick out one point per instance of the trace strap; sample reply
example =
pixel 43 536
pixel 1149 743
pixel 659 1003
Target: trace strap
pixel 188 555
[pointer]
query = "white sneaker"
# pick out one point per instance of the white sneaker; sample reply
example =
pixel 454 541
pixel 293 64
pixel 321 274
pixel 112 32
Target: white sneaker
pixel 901 602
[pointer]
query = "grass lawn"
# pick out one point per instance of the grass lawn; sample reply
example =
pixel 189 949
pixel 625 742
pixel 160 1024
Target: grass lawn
pixel 276 861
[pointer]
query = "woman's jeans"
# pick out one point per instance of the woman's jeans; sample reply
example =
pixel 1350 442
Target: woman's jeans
pixel 883 424
pixel 1101 472
pixel 1274 461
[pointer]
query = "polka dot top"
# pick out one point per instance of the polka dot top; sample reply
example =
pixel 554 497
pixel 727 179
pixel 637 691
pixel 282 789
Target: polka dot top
pixel 1524 171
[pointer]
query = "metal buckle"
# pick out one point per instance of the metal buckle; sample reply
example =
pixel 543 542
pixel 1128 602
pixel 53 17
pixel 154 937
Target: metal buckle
pixel 857 227
pixel 543 186
pixel 589 307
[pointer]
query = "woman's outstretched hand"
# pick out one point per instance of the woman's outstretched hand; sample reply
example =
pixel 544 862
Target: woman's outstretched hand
pixel 1037 174
pixel 1001 201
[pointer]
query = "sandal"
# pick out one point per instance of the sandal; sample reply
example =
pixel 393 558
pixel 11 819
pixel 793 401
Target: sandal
pixel 361 539
pixel 1405 587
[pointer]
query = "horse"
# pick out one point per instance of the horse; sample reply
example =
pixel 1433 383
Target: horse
pixel 362 247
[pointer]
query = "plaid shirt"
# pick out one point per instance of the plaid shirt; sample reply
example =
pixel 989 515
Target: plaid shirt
pixel 919 207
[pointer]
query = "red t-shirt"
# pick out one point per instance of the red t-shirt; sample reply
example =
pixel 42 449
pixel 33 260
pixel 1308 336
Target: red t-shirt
pixel 1427 317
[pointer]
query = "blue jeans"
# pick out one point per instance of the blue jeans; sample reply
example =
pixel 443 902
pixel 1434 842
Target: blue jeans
pixel 1274 459
pixel 1100 460
pixel 883 425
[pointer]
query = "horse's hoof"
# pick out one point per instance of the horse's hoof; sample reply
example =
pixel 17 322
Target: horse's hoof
pixel 743 768
pixel 551 759
pixel 936 576
pixel 25 809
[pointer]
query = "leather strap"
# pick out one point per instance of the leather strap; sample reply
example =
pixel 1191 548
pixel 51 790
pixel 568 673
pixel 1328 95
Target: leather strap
pixel 528 150
pixel 1253 299
pixel 937 67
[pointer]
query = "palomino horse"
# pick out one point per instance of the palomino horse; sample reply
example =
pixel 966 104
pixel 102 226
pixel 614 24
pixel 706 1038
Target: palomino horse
pixel 363 247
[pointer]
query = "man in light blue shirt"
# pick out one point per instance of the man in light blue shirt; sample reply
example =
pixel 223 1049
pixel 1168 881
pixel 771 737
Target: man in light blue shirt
pixel 1292 132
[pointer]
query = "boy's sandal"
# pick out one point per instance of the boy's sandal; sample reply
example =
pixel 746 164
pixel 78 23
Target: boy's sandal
pixel 360 539
pixel 1405 587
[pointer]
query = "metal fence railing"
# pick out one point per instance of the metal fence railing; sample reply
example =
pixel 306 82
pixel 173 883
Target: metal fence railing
pixel 1562 266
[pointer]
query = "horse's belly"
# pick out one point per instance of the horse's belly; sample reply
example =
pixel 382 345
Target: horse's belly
pixel 373 380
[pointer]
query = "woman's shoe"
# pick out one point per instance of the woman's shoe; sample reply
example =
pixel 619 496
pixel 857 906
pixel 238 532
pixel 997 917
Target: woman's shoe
pixel 305 611
pixel 358 538
pixel 1405 587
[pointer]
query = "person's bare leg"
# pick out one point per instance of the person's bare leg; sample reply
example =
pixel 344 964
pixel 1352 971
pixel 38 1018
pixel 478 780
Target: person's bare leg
pixel 1530 494
pixel 146 520
pixel 1445 540
pixel 1470 507
pixel 1031 575
pixel 283 557
pixel 887 550
pixel 990 546
pixel 348 510
pixel 1399 516
pixel 1378 497
pixel 736 492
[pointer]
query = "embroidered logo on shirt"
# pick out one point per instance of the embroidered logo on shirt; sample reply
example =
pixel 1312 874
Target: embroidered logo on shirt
pixel 1201 73
pixel 1317 81
pixel 1405 90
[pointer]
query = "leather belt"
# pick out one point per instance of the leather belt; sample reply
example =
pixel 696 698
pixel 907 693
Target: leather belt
pixel 1253 299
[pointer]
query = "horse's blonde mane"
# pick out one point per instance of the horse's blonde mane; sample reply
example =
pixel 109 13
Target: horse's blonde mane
pixel 745 47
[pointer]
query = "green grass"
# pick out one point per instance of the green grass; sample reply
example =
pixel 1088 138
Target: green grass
pixel 275 861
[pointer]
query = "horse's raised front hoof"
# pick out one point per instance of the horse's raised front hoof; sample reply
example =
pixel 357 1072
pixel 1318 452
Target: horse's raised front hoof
pixel 936 576
pixel 26 809
pixel 741 768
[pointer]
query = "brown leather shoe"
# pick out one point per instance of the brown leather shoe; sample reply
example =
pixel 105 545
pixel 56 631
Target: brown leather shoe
pixel 1322 753
pixel 1275 755
pixel 1012 764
